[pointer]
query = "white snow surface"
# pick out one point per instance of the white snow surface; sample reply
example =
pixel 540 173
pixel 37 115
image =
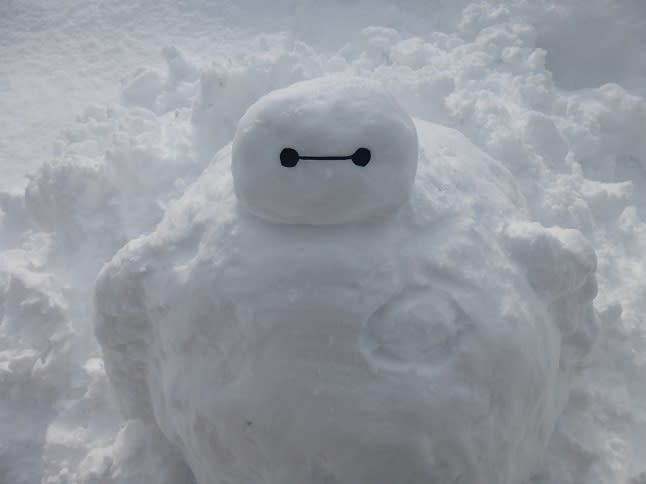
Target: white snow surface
pixel 111 115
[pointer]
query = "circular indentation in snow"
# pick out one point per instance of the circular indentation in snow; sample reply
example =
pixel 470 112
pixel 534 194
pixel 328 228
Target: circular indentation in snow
pixel 421 329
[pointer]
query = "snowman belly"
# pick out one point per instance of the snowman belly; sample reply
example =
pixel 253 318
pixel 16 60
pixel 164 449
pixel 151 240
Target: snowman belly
pixel 339 368
pixel 303 404
pixel 268 343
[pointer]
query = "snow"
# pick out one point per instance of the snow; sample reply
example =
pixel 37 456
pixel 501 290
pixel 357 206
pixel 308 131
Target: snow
pixel 321 118
pixel 110 112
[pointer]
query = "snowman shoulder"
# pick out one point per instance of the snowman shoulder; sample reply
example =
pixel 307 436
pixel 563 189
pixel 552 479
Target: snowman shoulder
pixel 455 176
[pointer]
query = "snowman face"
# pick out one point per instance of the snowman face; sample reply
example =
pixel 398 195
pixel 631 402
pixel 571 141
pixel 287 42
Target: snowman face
pixel 325 151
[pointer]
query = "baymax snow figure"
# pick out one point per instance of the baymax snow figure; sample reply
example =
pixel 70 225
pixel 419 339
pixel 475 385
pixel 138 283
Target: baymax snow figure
pixel 348 296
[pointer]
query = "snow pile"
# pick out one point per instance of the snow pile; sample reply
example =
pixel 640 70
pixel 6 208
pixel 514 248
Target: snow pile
pixel 522 80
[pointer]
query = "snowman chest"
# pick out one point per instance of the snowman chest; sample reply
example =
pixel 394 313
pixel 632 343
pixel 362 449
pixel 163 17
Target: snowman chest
pixel 308 286
pixel 295 302
pixel 312 277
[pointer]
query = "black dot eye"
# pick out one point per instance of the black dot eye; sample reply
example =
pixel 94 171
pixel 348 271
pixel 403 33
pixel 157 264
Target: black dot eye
pixel 289 157
pixel 361 157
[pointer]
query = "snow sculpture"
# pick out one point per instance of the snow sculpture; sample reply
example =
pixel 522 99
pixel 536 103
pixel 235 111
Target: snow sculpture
pixel 310 312
pixel 330 122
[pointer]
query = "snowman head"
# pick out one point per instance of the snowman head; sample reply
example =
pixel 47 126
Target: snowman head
pixel 326 151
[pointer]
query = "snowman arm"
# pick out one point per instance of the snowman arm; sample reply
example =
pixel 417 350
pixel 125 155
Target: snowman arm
pixel 560 264
pixel 123 330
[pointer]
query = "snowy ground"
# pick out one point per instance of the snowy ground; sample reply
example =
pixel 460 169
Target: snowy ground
pixel 109 110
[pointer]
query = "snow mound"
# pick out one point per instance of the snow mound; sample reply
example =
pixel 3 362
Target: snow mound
pixel 325 117
pixel 423 345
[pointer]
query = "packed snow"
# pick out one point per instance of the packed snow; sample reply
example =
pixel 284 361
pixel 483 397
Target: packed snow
pixel 325 117
pixel 529 199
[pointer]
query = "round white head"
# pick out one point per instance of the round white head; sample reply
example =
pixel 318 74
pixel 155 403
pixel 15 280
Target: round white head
pixel 326 151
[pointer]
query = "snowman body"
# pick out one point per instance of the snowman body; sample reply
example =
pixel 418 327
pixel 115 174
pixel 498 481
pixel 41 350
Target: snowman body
pixel 400 344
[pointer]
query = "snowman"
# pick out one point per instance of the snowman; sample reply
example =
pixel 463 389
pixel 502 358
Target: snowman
pixel 348 296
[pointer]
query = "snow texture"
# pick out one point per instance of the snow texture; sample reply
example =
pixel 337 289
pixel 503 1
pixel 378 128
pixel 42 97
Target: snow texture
pixel 111 115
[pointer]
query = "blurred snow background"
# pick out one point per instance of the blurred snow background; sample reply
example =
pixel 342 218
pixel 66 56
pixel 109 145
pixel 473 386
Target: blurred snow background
pixel 108 110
